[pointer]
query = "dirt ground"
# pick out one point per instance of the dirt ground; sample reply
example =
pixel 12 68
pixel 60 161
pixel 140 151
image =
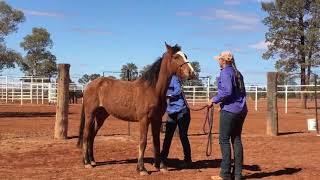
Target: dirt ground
pixel 28 151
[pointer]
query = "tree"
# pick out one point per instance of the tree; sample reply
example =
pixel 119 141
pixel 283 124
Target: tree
pixel 144 69
pixel 130 68
pixel 38 61
pixel 9 20
pixel 286 79
pixel 87 78
pixel 196 81
pixel 293 36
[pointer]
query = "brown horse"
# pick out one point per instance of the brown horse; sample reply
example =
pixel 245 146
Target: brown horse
pixel 142 100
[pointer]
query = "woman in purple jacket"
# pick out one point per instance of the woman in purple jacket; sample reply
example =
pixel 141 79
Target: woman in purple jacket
pixel 232 98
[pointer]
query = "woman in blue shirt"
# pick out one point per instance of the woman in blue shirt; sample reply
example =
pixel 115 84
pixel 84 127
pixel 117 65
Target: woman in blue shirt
pixel 232 98
pixel 179 115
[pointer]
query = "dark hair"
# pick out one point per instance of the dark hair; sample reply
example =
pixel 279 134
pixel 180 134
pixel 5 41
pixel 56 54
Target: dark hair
pixel 239 80
pixel 152 74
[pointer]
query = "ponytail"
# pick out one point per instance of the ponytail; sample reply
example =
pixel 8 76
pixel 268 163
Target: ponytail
pixel 239 80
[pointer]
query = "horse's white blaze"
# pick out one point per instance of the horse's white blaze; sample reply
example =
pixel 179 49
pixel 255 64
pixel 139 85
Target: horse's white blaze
pixel 185 60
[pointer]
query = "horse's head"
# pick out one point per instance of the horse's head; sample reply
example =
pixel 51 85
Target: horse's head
pixel 178 62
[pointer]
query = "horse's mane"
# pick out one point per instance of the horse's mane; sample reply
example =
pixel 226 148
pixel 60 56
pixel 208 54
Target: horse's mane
pixel 152 74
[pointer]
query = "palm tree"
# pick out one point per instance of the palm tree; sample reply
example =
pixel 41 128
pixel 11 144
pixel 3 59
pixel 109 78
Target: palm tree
pixel 129 71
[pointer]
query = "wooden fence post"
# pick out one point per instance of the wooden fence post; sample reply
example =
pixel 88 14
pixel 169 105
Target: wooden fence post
pixel 62 108
pixel 272 111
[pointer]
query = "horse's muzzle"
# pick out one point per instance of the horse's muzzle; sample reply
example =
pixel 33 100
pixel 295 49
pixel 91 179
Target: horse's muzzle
pixel 192 75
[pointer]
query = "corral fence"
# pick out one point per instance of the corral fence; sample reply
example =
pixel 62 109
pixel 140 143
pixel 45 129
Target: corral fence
pixel 201 94
pixel 35 90
pixel 32 90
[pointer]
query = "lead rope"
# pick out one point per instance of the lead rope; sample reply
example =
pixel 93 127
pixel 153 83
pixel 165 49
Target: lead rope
pixel 208 121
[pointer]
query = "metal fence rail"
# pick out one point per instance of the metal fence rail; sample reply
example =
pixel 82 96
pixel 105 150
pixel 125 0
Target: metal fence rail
pixel 42 90
pixel 30 90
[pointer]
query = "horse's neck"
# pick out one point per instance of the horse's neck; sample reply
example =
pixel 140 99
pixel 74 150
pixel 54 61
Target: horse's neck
pixel 163 80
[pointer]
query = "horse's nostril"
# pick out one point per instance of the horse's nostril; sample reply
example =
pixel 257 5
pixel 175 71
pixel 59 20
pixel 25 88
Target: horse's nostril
pixel 192 74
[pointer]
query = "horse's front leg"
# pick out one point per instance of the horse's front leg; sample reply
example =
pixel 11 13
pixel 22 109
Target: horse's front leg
pixel 156 126
pixel 144 123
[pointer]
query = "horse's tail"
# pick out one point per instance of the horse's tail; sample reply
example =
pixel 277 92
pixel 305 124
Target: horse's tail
pixel 82 122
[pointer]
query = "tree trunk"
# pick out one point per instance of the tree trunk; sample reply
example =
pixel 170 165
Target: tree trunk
pixel 61 124
pixel 303 95
pixel 272 105
pixel 302 62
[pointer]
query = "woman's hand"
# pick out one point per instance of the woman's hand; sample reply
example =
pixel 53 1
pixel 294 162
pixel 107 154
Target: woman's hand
pixel 210 103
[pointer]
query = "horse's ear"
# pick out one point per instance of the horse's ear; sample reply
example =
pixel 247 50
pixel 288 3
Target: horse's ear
pixel 169 48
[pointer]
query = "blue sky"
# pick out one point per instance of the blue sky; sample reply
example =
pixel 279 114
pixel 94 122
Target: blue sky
pixel 96 36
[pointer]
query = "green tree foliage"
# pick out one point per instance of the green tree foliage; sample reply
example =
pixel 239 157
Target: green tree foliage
pixel 130 68
pixel 196 81
pixel 293 36
pixel 286 79
pixel 9 20
pixel 87 78
pixel 39 61
pixel 144 69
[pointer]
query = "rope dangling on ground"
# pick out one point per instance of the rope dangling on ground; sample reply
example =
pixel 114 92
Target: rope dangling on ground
pixel 208 121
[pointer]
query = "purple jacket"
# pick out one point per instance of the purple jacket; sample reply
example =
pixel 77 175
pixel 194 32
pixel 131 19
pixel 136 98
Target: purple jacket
pixel 232 99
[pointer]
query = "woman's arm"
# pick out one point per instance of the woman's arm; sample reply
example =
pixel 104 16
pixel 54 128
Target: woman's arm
pixel 226 88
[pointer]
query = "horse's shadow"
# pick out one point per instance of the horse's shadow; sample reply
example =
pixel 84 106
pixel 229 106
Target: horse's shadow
pixel 289 133
pixel 27 114
pixel 176 165
pixel 173 164
pixel 127 161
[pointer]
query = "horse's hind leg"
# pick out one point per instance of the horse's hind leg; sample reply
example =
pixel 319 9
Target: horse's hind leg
pixel 100 116
pixel 86 136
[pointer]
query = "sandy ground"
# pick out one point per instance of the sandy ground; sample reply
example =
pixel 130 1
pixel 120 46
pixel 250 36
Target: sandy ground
pixel 28 151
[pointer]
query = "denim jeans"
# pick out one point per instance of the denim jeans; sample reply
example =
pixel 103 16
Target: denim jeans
pixel 182 120
pixel 230 129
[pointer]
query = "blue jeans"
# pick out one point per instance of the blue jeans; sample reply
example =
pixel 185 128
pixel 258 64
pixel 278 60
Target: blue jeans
pixel 230 129
pixel 182 120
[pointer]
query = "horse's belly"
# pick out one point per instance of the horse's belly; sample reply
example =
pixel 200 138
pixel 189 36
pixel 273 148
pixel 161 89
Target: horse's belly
pixel 123 113
pixel 124 117
pixel 120 105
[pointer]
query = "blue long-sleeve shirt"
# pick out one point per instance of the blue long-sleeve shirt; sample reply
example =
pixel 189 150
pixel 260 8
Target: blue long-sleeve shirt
pixel 176 101
pixel 232 100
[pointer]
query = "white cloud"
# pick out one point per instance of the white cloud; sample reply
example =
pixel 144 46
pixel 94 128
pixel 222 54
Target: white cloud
pixel 265 0
pixel 238 21
pixel 241 27
pixel 43 13
pixel 92 31
pixel 237 17
pixel 232 2
pixel 262 45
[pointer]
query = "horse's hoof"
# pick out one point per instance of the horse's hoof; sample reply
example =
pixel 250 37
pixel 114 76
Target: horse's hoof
pixel 163 170
pixel 88 166
pixel 93 163
pixel 157 167
pixel 144 173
